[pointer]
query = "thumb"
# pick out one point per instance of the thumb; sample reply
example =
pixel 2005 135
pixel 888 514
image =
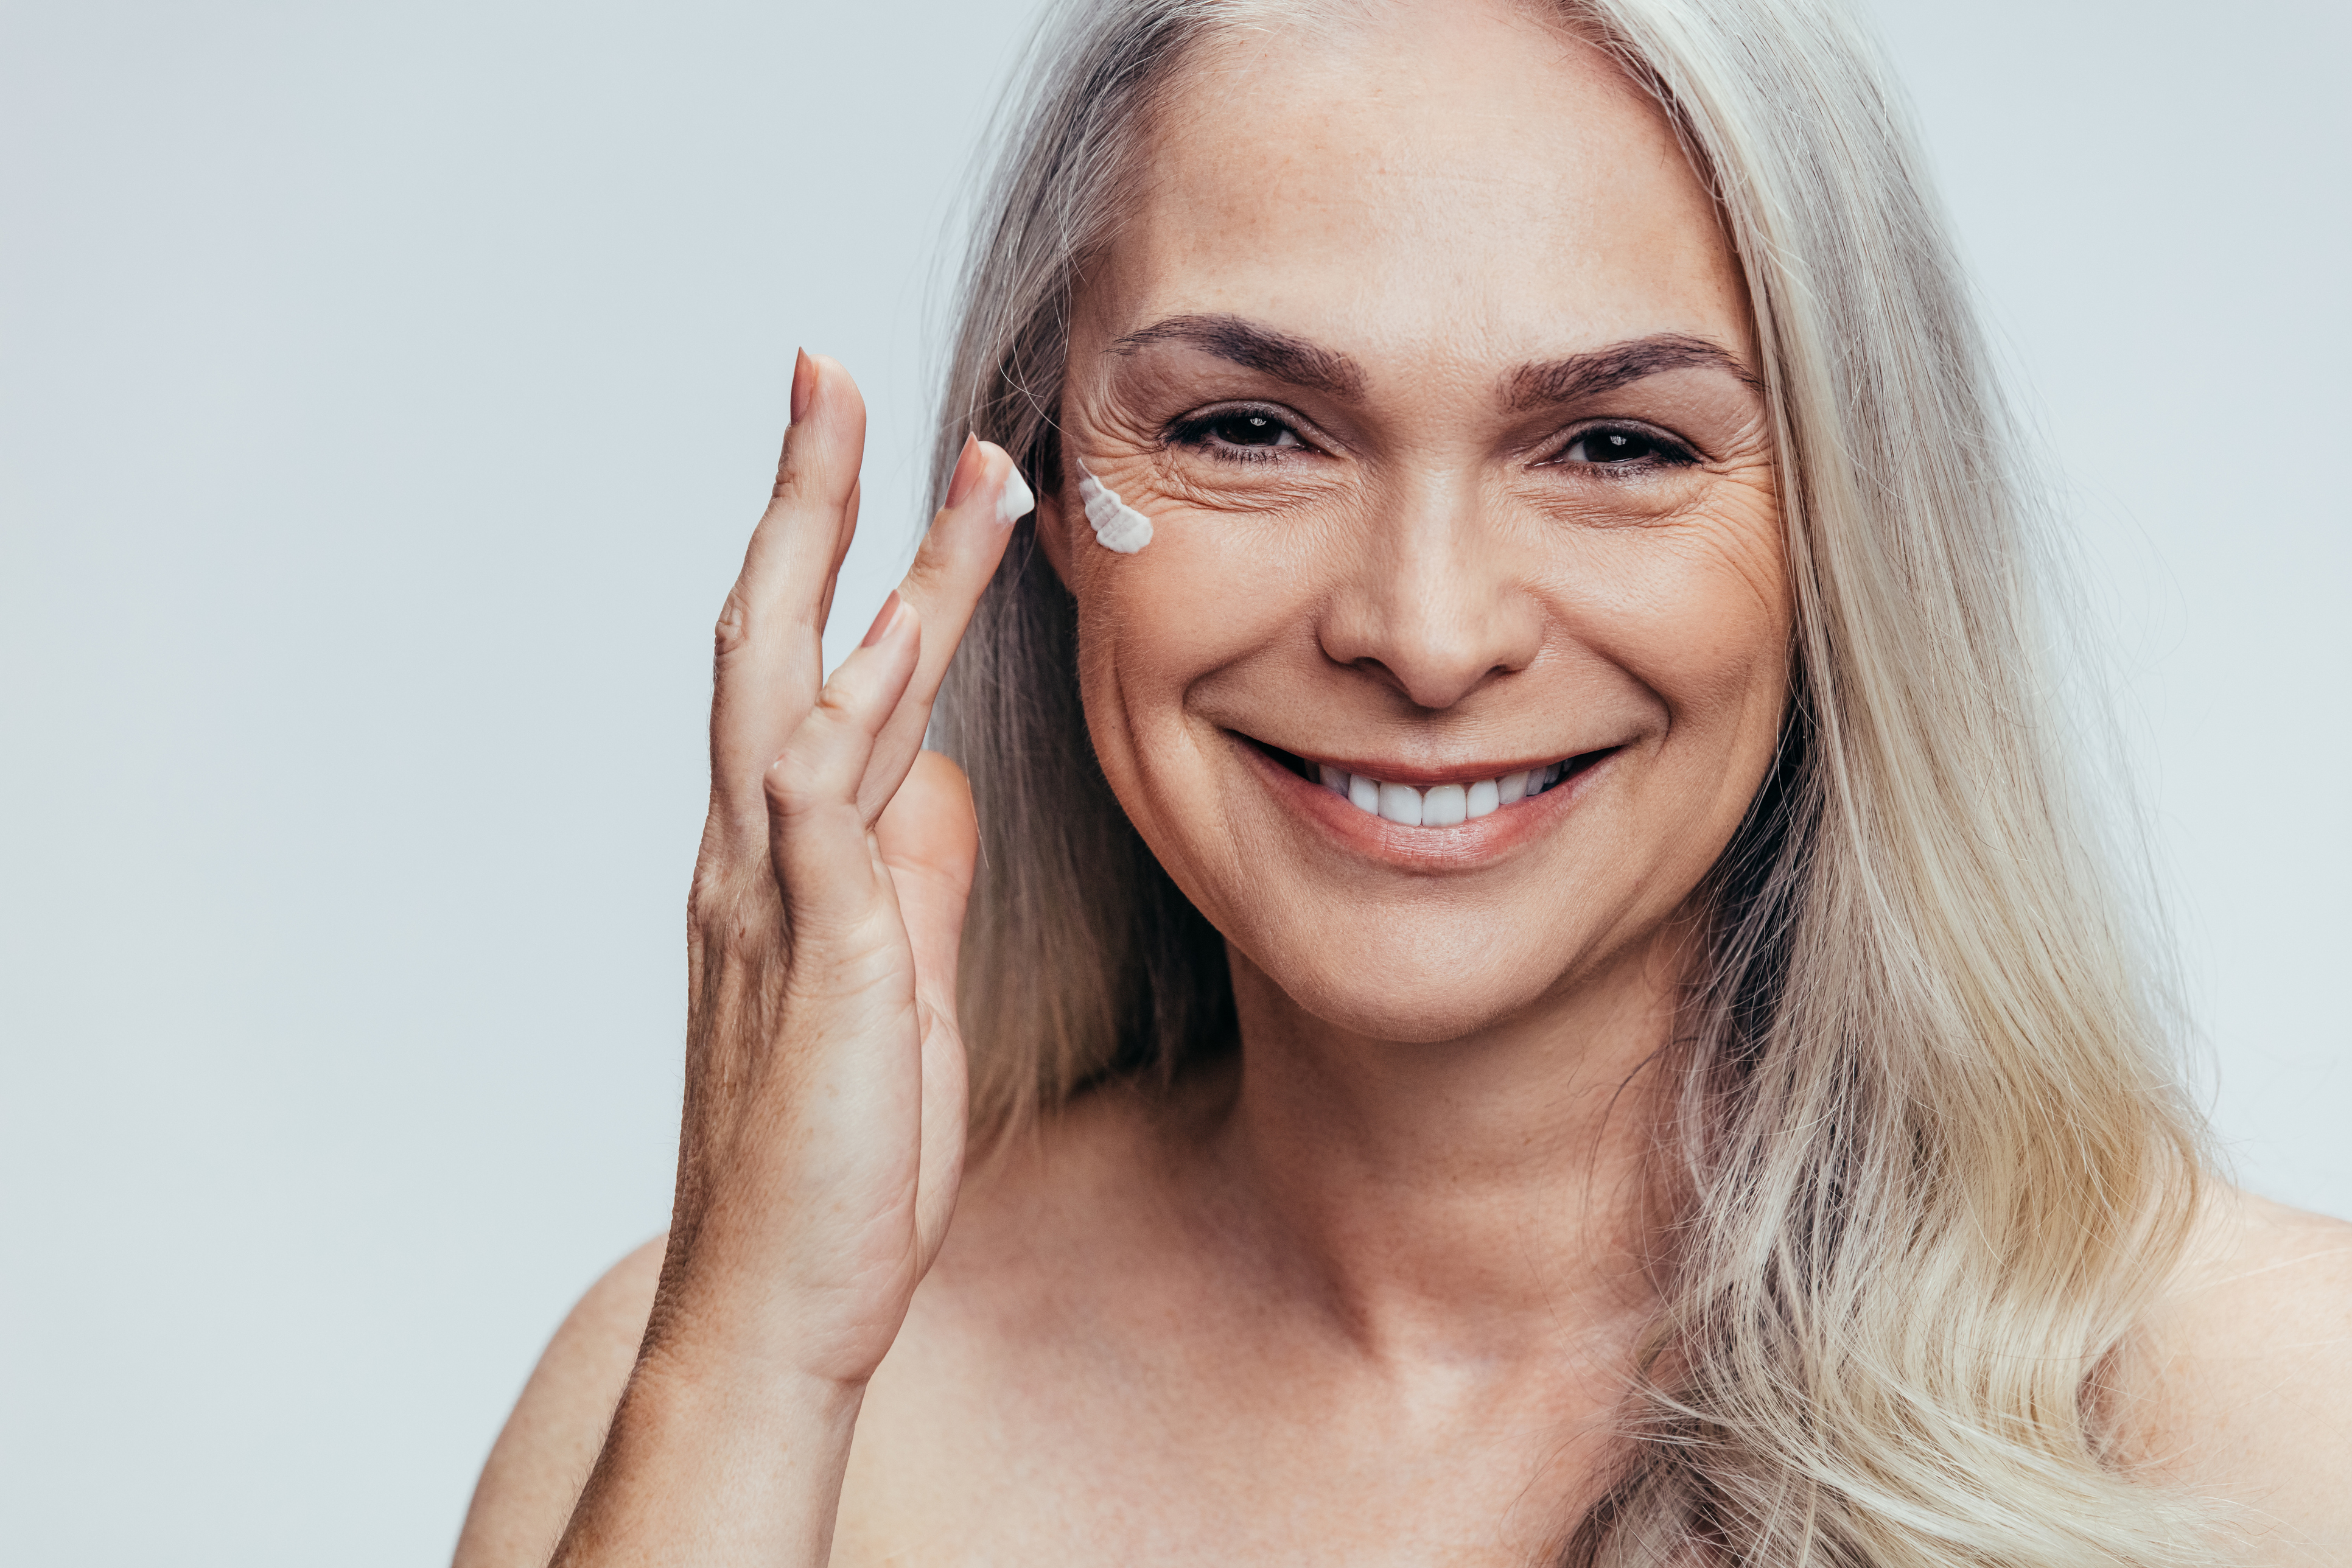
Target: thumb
pixel 930 838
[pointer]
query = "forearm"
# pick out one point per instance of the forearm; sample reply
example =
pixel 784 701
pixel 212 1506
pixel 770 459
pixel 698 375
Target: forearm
pixel 707 1466
pixel 821 1140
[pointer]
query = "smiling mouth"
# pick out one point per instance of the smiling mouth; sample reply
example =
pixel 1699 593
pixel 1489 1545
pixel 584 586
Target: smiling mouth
pixel 1445 805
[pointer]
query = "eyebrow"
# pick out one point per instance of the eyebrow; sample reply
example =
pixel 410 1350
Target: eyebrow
pixel 1620 364
pixel 1253 347
pixel 1300 362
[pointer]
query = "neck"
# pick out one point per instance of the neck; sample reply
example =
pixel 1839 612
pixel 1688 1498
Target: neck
pixel 1473 1201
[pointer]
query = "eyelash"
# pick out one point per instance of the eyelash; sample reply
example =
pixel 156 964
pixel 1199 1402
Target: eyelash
pixel 1666 451
pixel 1198 431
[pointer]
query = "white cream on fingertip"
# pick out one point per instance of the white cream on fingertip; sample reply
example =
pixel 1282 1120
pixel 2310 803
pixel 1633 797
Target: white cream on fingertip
pixel 1118 526
pixel 1013 502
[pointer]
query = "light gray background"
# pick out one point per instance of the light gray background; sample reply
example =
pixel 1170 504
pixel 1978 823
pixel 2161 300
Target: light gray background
pixel 385 393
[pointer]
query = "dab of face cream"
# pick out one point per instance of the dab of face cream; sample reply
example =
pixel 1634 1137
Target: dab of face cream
pixel 1015 502
pixel 1117 525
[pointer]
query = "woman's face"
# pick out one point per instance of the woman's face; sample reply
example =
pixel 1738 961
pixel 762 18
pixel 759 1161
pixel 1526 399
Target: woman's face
pixel 1428 364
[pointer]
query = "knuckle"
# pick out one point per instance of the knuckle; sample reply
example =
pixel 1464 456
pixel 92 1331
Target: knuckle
pixel 744 622
pixel 727 877
pixel 732 912
pixel 804 480
pixel 734 629
pixel 795 783
pixel 713 896
pixel 792 478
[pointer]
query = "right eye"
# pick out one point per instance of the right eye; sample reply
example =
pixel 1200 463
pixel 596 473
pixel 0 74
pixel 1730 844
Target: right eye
pixel 1238 433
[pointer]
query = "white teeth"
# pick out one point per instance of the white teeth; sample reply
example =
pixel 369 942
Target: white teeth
pixel 1400 804
pixel 1439 805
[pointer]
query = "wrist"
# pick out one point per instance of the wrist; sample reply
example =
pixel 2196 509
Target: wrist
pixel 693 1373
pixel 715 1316
pixel 707 1462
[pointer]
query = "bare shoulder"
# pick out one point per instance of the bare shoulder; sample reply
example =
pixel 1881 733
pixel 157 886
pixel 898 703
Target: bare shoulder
pixel 2250 1359
pixel 541 1459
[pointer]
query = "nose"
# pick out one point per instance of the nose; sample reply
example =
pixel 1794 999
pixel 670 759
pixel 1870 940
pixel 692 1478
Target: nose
pixel 1433 603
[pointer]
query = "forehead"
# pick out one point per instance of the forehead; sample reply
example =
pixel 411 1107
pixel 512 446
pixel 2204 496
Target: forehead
pixel 1458 174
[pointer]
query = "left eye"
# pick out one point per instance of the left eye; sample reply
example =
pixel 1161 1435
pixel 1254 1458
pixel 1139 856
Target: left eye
pixel 1243 428
pixel 1616 445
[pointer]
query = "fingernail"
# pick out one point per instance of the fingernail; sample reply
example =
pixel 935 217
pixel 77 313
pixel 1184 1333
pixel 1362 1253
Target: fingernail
pixel 889 612
pixel 969 462
pixel 1014 501
pixel 803 383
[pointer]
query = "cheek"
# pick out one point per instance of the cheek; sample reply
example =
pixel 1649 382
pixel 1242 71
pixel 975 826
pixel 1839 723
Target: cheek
pixel 1207 591
pixel 1701 616
pixel 1693 609
pixel 1209 585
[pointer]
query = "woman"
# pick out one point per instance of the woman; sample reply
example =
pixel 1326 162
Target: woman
pixel 1536 991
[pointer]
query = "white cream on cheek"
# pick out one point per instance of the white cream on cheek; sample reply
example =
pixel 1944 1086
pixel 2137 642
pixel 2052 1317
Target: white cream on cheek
pixel 1117 525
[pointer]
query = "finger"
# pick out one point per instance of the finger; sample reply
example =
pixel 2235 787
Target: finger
pixel 985 496
pixel 771 661
pixel 929 840
pixel 817 839
pixel 946 1110
pixel 840 553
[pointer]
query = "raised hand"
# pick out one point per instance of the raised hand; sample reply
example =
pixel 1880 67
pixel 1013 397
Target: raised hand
pixel 824 1102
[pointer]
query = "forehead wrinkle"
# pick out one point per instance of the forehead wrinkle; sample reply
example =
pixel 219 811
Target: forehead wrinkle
pixel 1620 364
pixel 1253 346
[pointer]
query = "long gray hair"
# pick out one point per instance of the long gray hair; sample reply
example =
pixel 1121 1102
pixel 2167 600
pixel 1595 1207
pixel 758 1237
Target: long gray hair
pixel 1932 1160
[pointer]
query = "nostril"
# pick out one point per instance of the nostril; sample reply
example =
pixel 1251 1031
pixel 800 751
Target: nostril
pixel 1434 628
pixel 1429 686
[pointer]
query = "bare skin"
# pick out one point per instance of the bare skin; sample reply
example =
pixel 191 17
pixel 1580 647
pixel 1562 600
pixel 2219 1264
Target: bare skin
pixel 1433 372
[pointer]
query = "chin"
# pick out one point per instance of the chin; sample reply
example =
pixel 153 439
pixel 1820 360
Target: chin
pixel 1422 998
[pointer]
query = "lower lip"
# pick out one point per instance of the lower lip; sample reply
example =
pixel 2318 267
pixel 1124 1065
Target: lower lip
pixel 1463 846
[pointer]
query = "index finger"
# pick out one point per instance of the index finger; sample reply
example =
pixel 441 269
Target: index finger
pixel 986 496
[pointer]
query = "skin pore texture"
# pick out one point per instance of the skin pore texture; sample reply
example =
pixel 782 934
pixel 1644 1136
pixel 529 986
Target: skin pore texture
pixel 1428 365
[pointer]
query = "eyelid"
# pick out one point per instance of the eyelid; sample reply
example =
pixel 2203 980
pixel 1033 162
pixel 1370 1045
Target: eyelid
pixel 1189 428
pixel 1689 449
